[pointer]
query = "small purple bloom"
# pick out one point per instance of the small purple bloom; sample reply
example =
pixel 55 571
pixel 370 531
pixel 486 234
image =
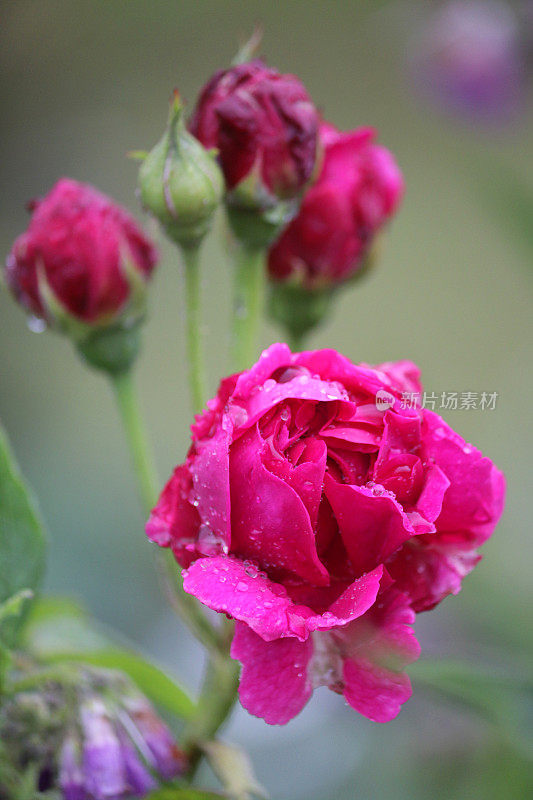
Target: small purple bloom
pixel 139 779
pixel 71 779
pixel 102 757
pixel 470 58
pixel 169 759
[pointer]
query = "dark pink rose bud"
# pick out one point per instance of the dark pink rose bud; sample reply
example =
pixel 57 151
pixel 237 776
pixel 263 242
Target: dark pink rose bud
pixel 82 267
pixel 264 126
pixel 357 191
pixel 359 188
pixel 81 252
pixel 322 514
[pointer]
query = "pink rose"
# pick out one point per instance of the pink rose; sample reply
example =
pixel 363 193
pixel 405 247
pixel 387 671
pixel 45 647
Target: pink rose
pixel 321 514
pixel 264 126
pixel 81 246
pixel 357 191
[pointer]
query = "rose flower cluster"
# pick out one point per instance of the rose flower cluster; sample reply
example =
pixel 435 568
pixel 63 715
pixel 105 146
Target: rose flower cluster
pixel 313 508
pixel 322 521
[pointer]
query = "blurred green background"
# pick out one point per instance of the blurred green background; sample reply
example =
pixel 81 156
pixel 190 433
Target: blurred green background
pixel 83 83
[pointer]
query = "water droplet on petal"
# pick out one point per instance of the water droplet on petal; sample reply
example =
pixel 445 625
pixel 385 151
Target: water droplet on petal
pixel 36 324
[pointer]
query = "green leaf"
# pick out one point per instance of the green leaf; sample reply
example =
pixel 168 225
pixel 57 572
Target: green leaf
pixel 22 541
pixel 234 770
pixel 59 631
pixel 58 624
pixel 12 607
pixel 150 679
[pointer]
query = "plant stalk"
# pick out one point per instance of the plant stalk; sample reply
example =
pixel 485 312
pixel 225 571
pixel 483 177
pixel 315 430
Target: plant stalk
pixel 197 381
pixel 249 296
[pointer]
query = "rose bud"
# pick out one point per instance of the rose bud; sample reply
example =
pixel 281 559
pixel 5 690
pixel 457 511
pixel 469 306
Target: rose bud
pixel 330 241
pixel 82 267
pixel 321 513
pixel 264 126
pixel 94 736
pixel 180 182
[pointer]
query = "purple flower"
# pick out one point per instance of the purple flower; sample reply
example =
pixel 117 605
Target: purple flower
pixel 470 58
pixel 115 746
pixel 103 765
pixel 71 779
pixel 168 759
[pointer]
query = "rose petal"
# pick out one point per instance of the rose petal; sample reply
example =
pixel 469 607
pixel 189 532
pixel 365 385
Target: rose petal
pixel 306 478
pixel 237 588
pixel 429 573
pixel 332 366
pixel 174 521
pixel 404 375
pixel 430 501
pixel 270 523
pixel 372 526
pixel 227 584
pixel 275 356
pixel 210 472
pixel 275 684
pixel 375 648
pixel 474 500
pixel 353 603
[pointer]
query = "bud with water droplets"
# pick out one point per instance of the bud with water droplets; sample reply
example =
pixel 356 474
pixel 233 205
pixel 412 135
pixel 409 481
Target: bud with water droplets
pixel 333 238
pixel 264 126
pixel 82 268
pixel 180 182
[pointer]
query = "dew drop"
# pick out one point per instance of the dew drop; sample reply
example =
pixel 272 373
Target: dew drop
pixel 36 324
pixel 242 587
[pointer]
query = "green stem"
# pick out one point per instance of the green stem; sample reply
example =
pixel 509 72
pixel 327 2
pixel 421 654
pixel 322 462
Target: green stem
pixel 194 339
pixel 185 605
pixel 218 696
pixel 136 435
pixel 219 688
pixel 248 305
pixel 295 341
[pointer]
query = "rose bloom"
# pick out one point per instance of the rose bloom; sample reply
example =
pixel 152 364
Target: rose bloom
pixel 264 126
pixel 359 188
pixel 83 250
pixel 321 514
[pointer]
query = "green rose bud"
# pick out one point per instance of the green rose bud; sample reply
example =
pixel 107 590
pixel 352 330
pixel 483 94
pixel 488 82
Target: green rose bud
pixel 180 182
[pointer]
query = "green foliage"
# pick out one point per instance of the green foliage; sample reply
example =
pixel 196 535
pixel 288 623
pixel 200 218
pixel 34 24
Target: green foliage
pixel 508 197
pixel 60 631
pixel 22 546
pixel 502 698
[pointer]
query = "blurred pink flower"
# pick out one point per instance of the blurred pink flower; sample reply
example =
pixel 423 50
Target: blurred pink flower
pixel 357 191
